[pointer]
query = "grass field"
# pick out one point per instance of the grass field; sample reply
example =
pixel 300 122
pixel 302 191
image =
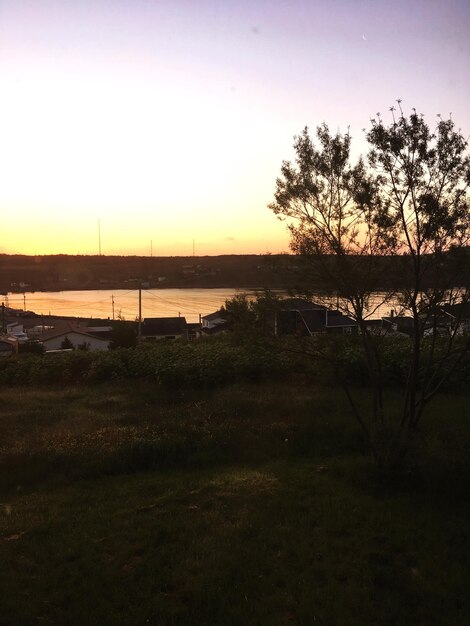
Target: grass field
pixel 255 504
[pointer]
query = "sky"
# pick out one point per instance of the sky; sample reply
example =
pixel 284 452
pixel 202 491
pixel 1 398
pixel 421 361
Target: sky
pixel 166 121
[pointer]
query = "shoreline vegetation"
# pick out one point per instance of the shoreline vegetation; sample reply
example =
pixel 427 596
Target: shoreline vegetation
pixel 20 273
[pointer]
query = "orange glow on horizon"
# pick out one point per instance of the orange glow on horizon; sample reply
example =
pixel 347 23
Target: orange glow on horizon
pixel 65 236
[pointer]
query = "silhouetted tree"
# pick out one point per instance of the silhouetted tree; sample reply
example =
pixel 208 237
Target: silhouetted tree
pixel 66 344
pixel 124 335
pixel 252 315
pixel 238 311
pixel 410 201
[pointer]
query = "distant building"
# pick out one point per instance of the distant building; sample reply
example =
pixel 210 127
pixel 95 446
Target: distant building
pixel 459 317
pixel 213 322
pixel 156 328
pixel 296 316
pixel 77 335
pixel 403 324
pixel 17 331
pixel 35 332
pixel 8 346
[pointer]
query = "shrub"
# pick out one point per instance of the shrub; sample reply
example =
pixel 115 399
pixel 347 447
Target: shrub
pixel 106 366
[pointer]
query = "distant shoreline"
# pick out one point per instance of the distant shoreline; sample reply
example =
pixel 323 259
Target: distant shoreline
pixel 24 273
pixel 57 273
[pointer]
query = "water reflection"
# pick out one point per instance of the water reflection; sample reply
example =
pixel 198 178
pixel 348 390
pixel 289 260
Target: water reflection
pixel 99 304
pixel 189 303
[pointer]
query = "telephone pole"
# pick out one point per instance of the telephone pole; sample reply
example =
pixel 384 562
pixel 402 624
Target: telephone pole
pixel 112 303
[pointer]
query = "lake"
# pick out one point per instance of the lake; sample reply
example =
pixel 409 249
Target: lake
pixel 189 303
pixel 155 302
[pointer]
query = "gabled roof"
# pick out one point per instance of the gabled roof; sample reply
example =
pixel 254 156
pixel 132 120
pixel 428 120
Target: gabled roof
pixel 67 329
pixel 161 326
pixel 213 316
pixel 336 319
pixel 374 322
pixel 314 320
pixel 300 304
pixel 318 319
pixel 461 310
pixel 339 321
pixel 400 320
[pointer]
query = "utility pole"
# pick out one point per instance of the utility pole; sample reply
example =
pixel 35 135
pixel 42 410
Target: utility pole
pixel 24 302
pixel 112 302
pixel 139 334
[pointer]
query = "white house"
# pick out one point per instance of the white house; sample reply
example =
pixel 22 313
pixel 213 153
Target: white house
pixel 213 322
pixel 17 331
pixel 53 339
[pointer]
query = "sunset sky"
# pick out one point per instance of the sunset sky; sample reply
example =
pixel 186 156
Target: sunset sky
pixel 167 120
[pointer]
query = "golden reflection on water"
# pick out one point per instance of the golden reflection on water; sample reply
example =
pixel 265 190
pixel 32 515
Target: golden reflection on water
pixel 189 303
pixel 99 303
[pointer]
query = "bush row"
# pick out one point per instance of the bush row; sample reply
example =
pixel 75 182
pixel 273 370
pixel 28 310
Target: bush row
pixel 346 356
pixel 178 364
pixel 219 361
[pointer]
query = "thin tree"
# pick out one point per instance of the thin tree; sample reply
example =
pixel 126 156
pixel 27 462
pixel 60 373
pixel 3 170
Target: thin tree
pixel 410 202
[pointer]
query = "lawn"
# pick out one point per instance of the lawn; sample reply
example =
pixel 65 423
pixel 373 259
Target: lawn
pixel 255 504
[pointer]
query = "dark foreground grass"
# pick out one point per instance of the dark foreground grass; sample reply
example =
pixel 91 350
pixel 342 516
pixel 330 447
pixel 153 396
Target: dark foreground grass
pixel 257 506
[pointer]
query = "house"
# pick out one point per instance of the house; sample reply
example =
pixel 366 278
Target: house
pixel 450 319
pixel 403 324
pixel 213 323
pixel 296 316
pixel 459 316
pixel 16 330
pixel 35 332
pixel 156 328
pixel 447 320
pixel 78 336
pixel 337 322
pixel 8 346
